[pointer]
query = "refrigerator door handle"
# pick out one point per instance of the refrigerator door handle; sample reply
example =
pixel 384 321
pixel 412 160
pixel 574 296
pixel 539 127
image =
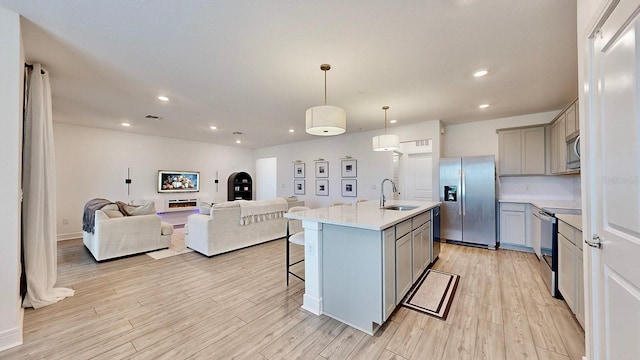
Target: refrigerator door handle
pixel 460 195
pixel 464 195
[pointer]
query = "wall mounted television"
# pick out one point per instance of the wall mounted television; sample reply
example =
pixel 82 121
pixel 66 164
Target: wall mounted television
pixel 178 181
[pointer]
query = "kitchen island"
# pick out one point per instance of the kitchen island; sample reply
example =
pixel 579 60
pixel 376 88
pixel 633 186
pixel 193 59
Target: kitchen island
pixel 360 260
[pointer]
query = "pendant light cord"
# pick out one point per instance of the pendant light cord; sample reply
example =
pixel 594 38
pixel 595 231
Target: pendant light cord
pixel 325 87
pixel 385 108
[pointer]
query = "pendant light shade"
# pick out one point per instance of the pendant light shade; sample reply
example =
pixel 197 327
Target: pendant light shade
pixel 386 142
pixel 326 120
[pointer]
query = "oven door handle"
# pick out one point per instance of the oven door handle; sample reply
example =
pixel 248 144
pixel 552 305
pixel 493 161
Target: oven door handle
pixel 546 217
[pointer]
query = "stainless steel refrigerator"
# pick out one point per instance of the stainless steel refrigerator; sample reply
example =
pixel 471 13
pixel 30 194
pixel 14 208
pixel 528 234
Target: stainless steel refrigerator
pixel 468 196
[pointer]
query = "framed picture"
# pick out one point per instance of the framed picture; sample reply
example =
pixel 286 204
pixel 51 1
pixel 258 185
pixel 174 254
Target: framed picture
pixel 322 187
pixel 298 170
pixel 349 168
pixel 322 169
pixel 349 187
pixel 298 187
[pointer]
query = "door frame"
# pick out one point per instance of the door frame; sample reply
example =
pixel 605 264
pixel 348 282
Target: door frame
pixel 591 16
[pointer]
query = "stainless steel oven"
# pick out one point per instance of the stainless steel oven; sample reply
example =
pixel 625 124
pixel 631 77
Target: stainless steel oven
pixel 549 246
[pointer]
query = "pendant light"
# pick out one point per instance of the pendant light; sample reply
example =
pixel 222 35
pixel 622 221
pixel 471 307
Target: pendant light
pixel 386 142
pixel 326 120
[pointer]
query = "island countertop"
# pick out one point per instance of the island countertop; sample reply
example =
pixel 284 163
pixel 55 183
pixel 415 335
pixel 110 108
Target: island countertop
pixel 364 215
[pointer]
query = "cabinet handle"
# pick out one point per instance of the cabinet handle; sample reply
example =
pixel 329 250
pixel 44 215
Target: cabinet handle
pixel 459 195
pixel 464 195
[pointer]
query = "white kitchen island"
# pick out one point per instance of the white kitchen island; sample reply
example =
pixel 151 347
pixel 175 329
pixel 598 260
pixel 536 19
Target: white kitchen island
pixel 352 268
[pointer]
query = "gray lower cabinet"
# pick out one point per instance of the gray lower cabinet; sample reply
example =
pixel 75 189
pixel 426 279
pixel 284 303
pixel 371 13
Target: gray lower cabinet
pixel 512 225
pixel 570 271
pixel 389 276
pixel 566 270
pixel 421 237
pixel 366 273
pixel 404 265
pixel 413 251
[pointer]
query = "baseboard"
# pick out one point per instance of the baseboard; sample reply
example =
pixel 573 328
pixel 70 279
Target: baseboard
pixel 12 337
pixel 69 236
pixel 522 248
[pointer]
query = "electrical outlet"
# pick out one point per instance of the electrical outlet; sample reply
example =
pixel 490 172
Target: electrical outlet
pixel 373 187
pixel 65 221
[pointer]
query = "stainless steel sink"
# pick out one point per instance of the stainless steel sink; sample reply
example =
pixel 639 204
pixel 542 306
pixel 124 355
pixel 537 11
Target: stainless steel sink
pixel 400 207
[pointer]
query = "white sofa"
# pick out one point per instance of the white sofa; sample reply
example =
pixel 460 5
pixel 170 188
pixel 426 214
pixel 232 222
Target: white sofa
pixel 117 235
pixel 221 231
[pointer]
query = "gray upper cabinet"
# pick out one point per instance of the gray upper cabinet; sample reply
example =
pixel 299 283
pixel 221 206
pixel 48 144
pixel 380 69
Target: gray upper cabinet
pixel 565 126
pixel 562 144
pixel 571 119
pixel 521 151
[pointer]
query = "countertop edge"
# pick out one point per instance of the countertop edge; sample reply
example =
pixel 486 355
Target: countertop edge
pixel 545 203
pixel 405 215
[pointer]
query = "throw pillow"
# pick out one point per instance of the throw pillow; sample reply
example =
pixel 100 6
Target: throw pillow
pixel 112 211
pixel 146 209
pixel 205 208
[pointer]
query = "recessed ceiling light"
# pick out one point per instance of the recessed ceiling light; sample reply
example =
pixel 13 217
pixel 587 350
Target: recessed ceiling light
pixel 483 106
pixel 213 127
pixel 480 73
pixel 125 124
pixel 163 98
pixel 238 141
pixel 291 130
pixel 393 121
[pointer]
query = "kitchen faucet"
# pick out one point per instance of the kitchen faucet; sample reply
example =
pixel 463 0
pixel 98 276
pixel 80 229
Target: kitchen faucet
pixel 382 198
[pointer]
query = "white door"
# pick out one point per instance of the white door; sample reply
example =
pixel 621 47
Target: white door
pixel 613 170
pixel 266 178
pixel 418 180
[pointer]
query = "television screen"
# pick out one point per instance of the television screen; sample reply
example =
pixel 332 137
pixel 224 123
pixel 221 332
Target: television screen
pixel 178 181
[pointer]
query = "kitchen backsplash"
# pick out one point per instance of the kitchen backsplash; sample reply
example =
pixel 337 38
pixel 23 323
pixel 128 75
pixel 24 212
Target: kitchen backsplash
pixel 563 188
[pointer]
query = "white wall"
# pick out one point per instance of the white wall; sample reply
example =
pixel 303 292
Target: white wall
pixel 11 73
pixel 480 138
pixel 372 166
pixel 93 163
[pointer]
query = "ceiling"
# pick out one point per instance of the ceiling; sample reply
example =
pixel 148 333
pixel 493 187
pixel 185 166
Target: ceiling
pixel 254 66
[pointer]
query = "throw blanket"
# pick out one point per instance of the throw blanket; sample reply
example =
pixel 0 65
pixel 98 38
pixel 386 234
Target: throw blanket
pixel 89 214
pixel 261 210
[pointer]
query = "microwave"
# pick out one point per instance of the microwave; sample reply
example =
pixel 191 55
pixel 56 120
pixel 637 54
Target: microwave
pixel 573 153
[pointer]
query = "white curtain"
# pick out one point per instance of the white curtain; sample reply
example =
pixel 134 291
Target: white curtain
pixel 39 201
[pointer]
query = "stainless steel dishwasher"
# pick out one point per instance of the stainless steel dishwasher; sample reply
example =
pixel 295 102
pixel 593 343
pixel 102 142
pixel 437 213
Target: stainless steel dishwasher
pixel 549 246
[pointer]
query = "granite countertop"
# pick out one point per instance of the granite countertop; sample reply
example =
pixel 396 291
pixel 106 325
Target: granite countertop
pixel 571 220
pixel 364 215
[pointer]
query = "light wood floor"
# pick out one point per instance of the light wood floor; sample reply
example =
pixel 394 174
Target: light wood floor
pixel 237 306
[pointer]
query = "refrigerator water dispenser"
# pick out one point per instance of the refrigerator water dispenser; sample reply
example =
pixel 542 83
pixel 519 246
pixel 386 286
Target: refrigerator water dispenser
pixel 450 193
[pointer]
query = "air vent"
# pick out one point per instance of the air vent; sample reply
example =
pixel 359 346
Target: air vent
pixel 153 117
pixel 421 143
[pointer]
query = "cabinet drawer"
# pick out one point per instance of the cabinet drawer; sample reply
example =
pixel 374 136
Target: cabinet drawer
pixel 403 228
pixel 513 207
pixel 577 240
pixel 421 219
pixel 566 231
